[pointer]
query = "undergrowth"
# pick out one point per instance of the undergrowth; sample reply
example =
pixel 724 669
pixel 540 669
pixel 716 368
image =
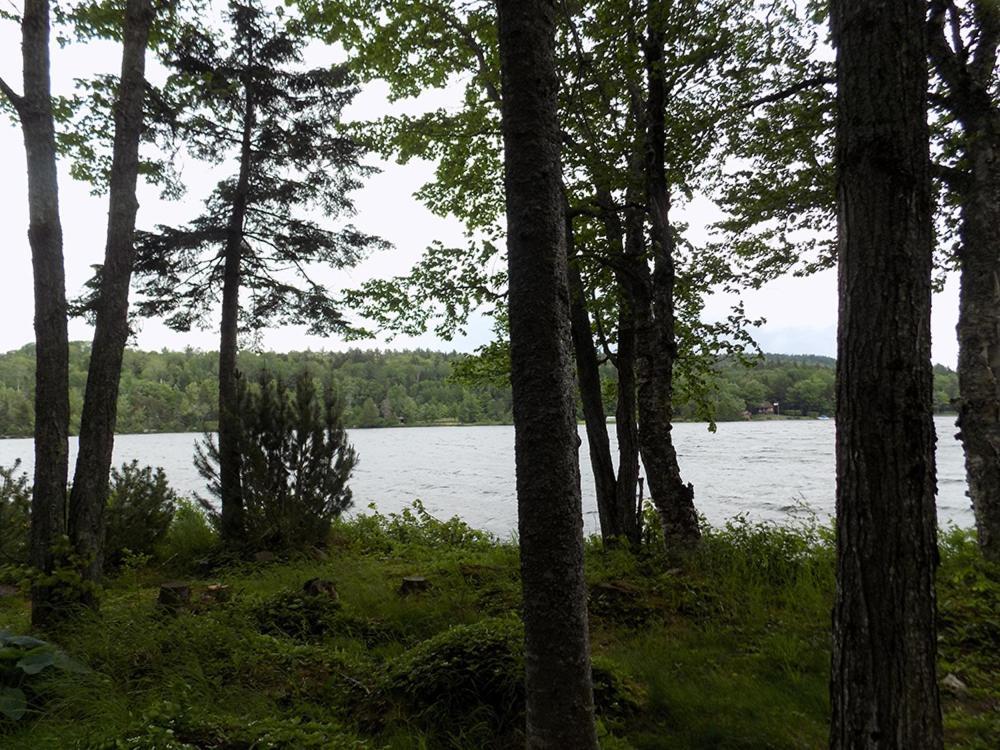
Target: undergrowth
pixel 727 647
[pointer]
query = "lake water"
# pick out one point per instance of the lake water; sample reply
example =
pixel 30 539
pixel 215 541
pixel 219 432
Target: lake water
pixel 768 470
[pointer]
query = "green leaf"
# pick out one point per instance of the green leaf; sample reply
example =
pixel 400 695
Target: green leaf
pixel 35 662
pixel 25 641
pixel 13 703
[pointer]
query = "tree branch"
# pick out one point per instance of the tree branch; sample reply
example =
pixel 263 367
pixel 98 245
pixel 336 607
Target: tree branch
pixel 984 59
pixel 13 97
pixel 777 96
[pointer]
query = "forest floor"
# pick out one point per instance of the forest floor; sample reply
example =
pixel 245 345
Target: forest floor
pixel 727 648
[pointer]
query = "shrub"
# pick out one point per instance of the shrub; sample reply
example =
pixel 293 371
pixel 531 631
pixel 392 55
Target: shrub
pixel 15 515
pixel 470 678
pixel 296 614
pixel 467 676
pixel 140 508
pixel 295 463
pixel 22 659
pixel 190 537
pixel 414 526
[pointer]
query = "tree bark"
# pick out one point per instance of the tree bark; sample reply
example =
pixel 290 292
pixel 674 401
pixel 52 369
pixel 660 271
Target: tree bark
pixel 100 406
pixel 230 480
pixel 627 429
pixel 34 109
pixel 673 499
pixel 884 693
pixel 559 695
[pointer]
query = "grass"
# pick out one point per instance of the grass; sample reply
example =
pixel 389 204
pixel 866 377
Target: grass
pixel 727 648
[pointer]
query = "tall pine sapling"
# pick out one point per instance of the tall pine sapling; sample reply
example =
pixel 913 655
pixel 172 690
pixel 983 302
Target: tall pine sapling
pixel 295 462
pixel 252 102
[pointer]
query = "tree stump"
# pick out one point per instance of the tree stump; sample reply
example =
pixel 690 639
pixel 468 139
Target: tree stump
pixel 321 587
pixel 414 585
pixel 174 597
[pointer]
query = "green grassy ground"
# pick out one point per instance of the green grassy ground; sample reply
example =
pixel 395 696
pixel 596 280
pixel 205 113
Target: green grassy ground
pixel 725 649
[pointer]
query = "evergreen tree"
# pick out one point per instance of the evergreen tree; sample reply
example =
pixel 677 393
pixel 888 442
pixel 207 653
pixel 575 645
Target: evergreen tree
pixel 295 462
pixel 250 99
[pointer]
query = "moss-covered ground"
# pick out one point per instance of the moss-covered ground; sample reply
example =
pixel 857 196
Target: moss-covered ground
pixel 726 648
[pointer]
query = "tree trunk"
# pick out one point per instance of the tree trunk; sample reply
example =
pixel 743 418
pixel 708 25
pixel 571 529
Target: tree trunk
pixel 673 499
pixel 628 511
pixel 100 405
pixel 559 696
pixel 34 108
pixel 970 81
pixel 884 693
pixel 979 335
pixel 233 529
pixel 588 376
pixel 627 430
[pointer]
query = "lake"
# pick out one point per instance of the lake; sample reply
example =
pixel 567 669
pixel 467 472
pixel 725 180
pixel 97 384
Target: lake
pixel 769 470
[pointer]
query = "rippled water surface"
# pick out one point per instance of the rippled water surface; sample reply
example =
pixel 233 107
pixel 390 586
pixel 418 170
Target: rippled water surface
pixel 767 470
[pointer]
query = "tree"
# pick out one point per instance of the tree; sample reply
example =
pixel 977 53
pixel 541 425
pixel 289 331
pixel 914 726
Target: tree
pixel 99 419
pixel 559 695
pixel 282 122
pixel 35 112
pixel 713 58
pixel 884 692
pixel 782 205
pixel 654 305
pixel 295 463
pixel 964 40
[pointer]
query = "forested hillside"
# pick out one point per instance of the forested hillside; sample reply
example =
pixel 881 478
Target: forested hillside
pixel 178 391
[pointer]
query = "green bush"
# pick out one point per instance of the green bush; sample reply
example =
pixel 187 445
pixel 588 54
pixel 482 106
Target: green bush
pixel 15 515
pixel 466 677
pixel 295 463
pixel 296 614
pixel 470 678
pixel 412 527
pixel 190 537
pixel 23 661
pixel 140 508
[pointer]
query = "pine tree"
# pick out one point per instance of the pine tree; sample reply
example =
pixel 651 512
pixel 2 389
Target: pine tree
pixel 251 98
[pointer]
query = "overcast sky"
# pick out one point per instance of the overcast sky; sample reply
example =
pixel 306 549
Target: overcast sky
pixel 801 312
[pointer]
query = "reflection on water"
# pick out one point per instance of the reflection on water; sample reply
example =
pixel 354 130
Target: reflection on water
pixel 778 470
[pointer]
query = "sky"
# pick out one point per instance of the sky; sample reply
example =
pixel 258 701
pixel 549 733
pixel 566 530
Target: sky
pixel 801 313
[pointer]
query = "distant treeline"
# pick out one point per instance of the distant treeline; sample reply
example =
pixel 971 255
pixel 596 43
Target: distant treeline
pixel 178 391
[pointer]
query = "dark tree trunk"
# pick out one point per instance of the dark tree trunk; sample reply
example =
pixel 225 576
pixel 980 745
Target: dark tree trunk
pixel 626 506
pixel 34 109
pixel 884 692
pixel 100 406
pixel 979 337
pixel 673 499
pixel 627 429
pixel 969 81
pixel 560 708
pixel 230 480
pixel 588 376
